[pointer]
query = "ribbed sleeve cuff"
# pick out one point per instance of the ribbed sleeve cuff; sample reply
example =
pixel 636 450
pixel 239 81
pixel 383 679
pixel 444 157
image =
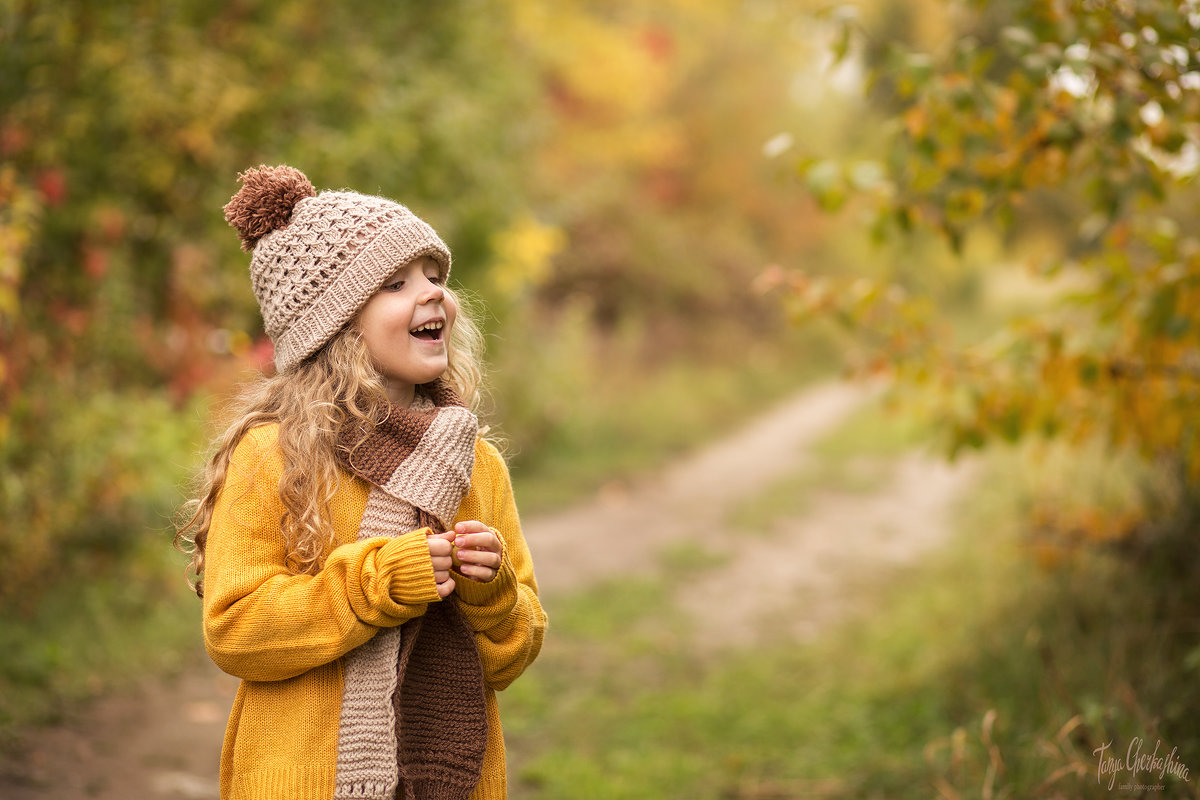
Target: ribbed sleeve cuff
pixel 486 605
pixel 408 562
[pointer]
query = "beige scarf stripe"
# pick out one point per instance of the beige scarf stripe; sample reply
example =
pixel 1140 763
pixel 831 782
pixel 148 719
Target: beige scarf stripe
pixel 366 753
pixel 437 474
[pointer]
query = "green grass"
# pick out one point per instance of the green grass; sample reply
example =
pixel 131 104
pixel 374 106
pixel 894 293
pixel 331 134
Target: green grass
pixel 587 417
pixel 690 558
pixel 93 594
pixel 93 636
pixel 878 429
pixel 977 674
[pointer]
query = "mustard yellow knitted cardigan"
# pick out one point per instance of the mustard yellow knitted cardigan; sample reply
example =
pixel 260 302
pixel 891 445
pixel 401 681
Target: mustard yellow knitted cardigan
pixel 285 635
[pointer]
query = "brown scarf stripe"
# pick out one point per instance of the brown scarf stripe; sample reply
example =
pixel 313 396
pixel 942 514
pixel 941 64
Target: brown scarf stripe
pixel 376 456
pixel 382 449
pixel 421 718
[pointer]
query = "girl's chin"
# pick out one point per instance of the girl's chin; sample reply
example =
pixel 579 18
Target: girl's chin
pixel 429 375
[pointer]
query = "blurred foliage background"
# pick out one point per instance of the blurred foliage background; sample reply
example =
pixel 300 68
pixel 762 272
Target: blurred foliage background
pixel 597 213
pixel 671 214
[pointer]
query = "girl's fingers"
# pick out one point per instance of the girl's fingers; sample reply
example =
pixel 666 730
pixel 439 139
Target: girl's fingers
pixel 439 545
pixel 441 555
pixel 483 540
pixel 477 551
pixel 472 561
pixel 477 573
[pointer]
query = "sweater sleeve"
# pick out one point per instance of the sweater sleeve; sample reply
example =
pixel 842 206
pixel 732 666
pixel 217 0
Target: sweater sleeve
pixel 505 612
pixel 264 623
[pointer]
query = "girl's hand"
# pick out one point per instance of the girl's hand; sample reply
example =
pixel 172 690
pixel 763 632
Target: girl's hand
pixel 478 551
pixel 440 553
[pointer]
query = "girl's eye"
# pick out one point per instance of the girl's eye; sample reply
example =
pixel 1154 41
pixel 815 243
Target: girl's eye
pixel 395 286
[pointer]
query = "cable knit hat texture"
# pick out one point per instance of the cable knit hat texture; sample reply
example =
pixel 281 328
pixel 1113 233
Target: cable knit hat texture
pixel 318 257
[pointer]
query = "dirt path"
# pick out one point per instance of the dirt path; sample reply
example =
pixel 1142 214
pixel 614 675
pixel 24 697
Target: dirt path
pixel 789 580
pixel 163 741
pixel 807 572
pixel 624 530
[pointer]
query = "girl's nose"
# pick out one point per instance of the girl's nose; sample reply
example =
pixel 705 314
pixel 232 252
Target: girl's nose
pixel 432 292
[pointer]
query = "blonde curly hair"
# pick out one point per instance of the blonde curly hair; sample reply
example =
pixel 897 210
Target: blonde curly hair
pixel 336 386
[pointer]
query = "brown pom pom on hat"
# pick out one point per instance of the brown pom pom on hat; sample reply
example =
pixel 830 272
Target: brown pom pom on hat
pixel 318 257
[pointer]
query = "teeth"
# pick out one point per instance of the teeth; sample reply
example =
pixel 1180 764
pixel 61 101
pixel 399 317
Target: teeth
pixel 429 326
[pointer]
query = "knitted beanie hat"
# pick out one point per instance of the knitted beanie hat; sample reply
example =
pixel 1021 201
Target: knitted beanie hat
pixel 317 258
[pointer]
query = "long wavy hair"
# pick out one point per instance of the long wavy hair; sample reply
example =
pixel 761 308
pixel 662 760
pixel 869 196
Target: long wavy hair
pixel 337 386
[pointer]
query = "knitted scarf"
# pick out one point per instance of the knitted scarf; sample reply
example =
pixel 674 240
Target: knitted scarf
pixel 413 721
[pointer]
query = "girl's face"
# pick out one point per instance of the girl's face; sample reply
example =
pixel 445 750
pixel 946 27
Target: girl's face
pixel 406 327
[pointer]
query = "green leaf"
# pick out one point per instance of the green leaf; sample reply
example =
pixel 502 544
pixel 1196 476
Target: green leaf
pixel 841 45
pixel 1018 40
pixel 827 184
pixel 867 175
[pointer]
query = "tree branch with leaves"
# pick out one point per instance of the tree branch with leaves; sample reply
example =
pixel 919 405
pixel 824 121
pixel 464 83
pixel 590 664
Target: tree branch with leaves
pixel 1081 119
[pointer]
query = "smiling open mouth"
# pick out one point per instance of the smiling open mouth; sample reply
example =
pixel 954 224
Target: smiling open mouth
pixel 429 331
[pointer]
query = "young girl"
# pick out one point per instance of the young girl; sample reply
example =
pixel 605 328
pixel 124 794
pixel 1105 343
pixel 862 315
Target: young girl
pixel 355 542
